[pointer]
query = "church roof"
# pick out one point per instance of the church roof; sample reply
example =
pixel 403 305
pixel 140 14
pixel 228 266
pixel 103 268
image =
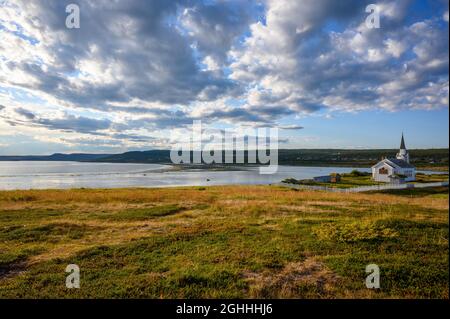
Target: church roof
pixel 402 144
pixel 397 162
pixel 400 163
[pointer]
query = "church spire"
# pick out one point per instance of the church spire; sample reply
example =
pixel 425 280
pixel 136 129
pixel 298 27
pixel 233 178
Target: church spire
pixel 402 143
pixel 403 153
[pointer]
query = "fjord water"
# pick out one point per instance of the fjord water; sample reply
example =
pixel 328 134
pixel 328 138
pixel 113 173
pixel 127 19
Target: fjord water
pixel 43 175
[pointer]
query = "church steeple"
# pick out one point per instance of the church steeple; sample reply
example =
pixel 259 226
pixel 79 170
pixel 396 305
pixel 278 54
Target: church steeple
pixel 402 143
pixel 403 154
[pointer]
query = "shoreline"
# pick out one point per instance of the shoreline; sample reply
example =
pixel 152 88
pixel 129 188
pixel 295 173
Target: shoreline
pixel 236 166
pixel 167 176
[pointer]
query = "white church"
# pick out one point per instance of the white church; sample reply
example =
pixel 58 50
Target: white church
pixel 395 170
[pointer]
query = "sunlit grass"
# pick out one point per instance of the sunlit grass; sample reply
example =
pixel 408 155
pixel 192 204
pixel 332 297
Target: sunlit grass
pixel 231 242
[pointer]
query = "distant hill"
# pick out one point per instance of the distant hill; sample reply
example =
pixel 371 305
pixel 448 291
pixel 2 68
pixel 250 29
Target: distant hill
pixel 321 157
pixel 304 157
pixel 77 157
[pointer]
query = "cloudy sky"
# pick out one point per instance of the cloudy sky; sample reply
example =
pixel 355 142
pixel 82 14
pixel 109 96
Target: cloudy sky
pixel 137 73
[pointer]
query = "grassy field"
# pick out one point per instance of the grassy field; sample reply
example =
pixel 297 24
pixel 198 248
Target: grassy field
pixel 229 242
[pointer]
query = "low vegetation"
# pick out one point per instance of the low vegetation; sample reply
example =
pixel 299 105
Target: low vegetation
pixel 430 178
pixel 353 179
pixel 228 242
pixel 357 178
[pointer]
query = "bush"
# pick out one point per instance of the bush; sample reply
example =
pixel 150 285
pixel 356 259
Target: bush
pixel 290 181
pixel 353 232
pixel 356 173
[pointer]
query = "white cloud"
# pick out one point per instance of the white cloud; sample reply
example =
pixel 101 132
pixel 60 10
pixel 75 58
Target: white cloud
pixel 137 69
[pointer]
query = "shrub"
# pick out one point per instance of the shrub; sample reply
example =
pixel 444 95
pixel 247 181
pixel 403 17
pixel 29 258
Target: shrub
pixel 290 181
pixel 356 173
pixel 353 232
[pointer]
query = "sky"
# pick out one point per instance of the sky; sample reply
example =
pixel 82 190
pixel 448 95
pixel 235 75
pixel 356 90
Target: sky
pixel 136 74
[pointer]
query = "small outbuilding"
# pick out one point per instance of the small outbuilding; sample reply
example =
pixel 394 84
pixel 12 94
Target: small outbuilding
pixel 335 177
pixel 322 179
pixel 332 178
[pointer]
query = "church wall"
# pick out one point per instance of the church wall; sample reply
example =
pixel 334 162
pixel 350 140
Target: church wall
pixel 382 177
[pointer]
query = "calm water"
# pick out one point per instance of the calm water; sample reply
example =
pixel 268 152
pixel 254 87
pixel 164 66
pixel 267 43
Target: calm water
pixel 29 174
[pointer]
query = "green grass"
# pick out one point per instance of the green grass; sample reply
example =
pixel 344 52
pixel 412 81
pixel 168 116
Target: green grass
pixel 49 232
pixel 347 181
pixel 357 179
pixel 223 242
pixel 431 192
pixel 429 178
pixel 142 213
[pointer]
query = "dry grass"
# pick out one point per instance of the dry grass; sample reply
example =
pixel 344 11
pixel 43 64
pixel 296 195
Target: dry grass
pixel 231 241
pixel 310 275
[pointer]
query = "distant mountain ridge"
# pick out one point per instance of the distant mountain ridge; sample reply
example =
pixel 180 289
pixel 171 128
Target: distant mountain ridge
pixel 304 157
pixel 77 157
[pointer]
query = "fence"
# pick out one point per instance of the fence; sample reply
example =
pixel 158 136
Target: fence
pixel 365 188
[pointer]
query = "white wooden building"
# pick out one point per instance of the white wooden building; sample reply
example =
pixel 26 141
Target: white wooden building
pixel 395 170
